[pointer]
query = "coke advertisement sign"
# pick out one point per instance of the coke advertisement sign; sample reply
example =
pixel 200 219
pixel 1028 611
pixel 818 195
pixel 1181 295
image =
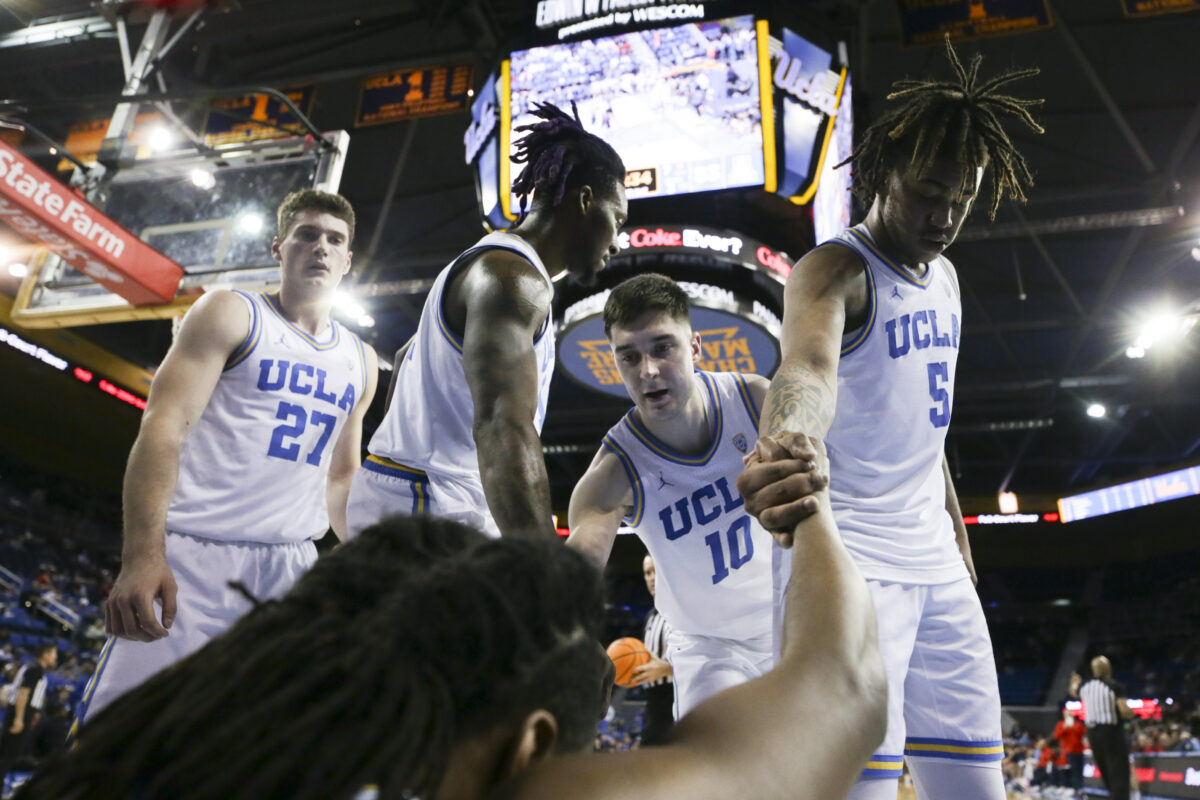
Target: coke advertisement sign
pixel 720 244
pixel 41 209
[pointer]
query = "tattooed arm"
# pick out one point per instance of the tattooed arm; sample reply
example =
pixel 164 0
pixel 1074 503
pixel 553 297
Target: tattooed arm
pixel 826 296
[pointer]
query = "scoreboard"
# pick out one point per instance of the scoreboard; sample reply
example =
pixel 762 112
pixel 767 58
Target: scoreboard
pixel 722 102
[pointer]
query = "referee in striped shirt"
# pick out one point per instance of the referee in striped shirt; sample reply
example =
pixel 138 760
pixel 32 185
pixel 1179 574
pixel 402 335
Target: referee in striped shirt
pixel 1105 711
pixel 656 675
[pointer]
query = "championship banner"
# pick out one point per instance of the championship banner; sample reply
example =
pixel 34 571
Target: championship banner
pixel 1152 8
pixel 412 93
pixel 255 116
pixel 41 209
pixel 924 22
pixel 735 336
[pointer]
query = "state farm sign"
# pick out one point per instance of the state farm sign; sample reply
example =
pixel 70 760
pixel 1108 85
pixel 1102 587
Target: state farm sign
pixel 40 208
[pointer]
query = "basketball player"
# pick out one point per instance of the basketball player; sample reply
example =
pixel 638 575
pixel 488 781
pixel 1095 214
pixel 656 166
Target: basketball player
pixel 669 470
pixel 870 340
pixel 423 659
pixel 476 377
pixel 250 438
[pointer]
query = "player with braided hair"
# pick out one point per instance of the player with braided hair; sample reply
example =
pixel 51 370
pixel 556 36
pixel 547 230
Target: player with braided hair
pixel 426 660
pixel 476 377
pixel 872 322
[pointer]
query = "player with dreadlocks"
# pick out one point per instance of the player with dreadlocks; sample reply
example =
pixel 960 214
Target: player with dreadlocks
pixel 475 378
pixel 426 660
pixel 872 322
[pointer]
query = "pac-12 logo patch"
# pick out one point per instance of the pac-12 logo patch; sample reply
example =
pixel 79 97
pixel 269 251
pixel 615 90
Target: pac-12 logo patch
pixel 739 442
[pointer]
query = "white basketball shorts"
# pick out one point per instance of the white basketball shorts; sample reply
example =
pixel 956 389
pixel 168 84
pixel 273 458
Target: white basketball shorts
pixel 705 665
pixel 943 698
pixel 383 488
pixel 205 607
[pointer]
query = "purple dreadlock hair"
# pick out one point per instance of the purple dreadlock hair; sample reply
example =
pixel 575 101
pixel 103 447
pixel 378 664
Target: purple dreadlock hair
pixel 559 155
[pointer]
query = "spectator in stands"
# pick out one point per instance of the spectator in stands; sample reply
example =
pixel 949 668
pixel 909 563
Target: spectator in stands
pixel 1187 742
pixel 1013 768
pixel 1045 762
pixel 1070 732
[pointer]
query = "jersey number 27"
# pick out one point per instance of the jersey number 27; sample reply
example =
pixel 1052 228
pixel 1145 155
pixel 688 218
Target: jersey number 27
pixel 296 419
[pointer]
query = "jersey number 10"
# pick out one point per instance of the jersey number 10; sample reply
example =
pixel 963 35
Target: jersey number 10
pixel 737 536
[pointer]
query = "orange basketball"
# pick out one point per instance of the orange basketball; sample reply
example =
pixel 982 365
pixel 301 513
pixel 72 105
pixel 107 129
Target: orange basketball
pixel 627 654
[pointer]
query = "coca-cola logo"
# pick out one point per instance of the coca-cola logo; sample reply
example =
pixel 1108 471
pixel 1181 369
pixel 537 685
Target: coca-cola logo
pixel 773 261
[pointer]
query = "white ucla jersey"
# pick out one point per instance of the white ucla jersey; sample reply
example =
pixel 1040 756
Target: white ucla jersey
pixel 253 466
pixel 713 560
pixel 895 396
pixel 429 424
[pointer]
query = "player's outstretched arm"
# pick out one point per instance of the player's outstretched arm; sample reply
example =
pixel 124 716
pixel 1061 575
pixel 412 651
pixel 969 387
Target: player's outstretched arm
pixel 183 384
pixel 600 500
pixel 507 301
pixel 825 287
pixel 801 732
pixel 347 453
pixel 803 393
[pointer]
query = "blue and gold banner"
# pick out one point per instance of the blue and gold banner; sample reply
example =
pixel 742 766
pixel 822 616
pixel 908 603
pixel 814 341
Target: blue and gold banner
pixel 411 93
pixel 255 116
pixel 925 22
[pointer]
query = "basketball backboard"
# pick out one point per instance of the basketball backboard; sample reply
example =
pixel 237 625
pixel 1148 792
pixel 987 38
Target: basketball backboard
pixel 213 214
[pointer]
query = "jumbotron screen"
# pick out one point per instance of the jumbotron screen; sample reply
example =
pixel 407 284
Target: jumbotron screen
pixel 680 104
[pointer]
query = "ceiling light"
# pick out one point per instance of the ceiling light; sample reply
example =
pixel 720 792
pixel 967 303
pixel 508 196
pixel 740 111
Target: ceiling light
pixel 1096 411
pixel 203 179
pixel 366 321
pixel 1008 503
pixel 18 270
pixel 160 139
pixel 250 223
pixel 1134 351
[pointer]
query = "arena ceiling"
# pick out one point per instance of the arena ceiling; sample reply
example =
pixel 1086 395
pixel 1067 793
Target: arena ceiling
pixel 1054 292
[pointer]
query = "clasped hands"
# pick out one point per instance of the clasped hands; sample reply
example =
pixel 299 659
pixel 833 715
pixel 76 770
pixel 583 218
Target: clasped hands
pixel 780 477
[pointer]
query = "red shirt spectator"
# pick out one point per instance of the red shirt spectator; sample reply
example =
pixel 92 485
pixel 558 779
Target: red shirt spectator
pixel 1070 736
pixel 1045 758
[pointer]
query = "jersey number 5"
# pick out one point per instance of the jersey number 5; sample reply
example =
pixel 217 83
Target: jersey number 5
pixel 737 536
pixel 296 419
pixel 939 373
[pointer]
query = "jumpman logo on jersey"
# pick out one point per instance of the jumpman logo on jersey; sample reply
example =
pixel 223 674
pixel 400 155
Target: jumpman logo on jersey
pixel 896 293
pixel 281 341
pixel 663 481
